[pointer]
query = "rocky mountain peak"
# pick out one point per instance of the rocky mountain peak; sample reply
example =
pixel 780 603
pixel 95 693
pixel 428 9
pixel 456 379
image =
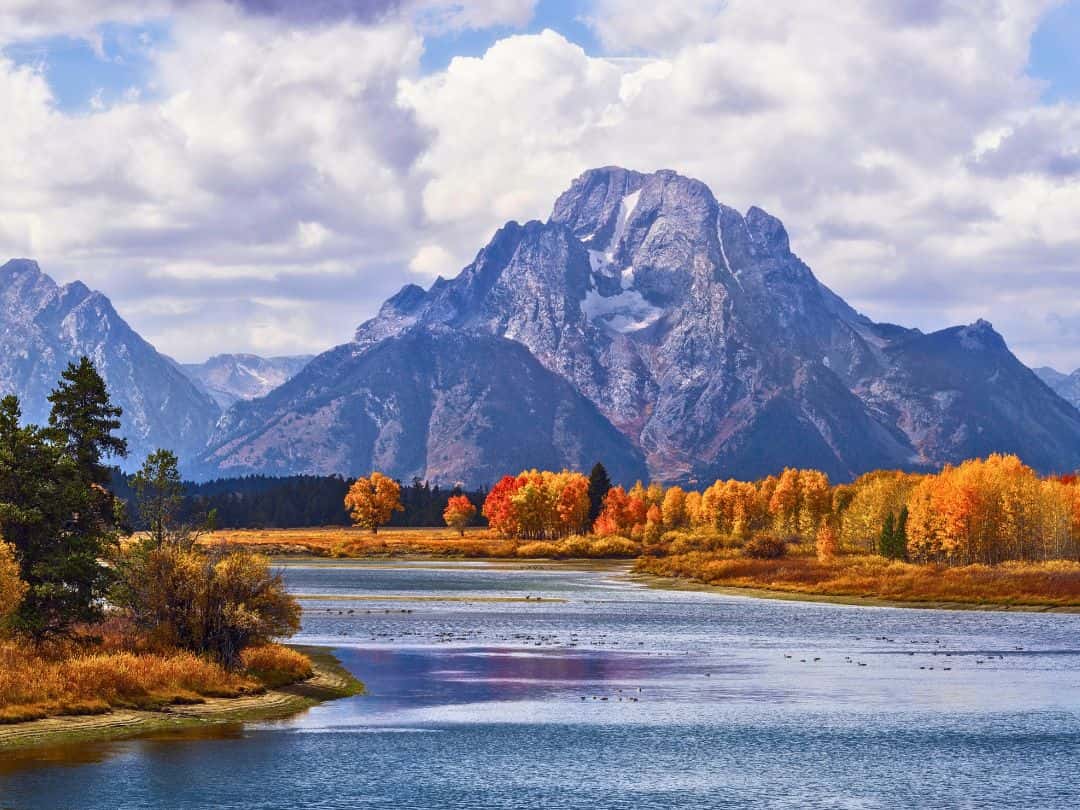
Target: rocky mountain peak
pixel 44 326
pixel 698 334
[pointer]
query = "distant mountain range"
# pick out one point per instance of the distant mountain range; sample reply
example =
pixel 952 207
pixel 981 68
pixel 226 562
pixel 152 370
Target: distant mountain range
pixel 228 378
pixel 44 326
pixel 644 324
pixel 1067 385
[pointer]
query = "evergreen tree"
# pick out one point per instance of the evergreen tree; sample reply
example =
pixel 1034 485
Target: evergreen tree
pixel 894 536
pixel 888 530
pixel 159 495
pixel 31 519
pixel 83 419
pixel 55 507
pixel 900 535
pixel 599 484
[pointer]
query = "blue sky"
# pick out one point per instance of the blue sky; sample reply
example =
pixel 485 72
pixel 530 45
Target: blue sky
pixel 276 170
pixel 80 71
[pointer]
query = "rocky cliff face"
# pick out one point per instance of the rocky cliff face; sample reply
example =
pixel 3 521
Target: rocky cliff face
pixel 435 403
pixel 711 347
pixel 1067 386
pixel 228 378
pixel 44 326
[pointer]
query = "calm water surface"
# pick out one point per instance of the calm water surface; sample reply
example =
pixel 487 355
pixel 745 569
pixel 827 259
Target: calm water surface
pixel 596 692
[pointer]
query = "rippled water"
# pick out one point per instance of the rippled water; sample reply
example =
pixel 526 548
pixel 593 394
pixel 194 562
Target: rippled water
pixel 596 692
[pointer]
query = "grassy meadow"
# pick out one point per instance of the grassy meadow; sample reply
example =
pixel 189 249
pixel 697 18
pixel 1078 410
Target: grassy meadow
pixel 336 541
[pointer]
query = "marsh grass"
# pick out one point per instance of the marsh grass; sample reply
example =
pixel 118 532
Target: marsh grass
pixel 1054 583
pixel 80 678
pixel 477 543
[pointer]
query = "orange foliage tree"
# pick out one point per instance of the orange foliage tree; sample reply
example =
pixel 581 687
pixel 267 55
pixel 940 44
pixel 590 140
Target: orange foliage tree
pixel 459 511
pixel 371 501
pixel 988 511
pixel 539 504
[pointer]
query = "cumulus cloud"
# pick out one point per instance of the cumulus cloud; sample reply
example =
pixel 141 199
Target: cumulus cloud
pixel 903 144
pixel 293 165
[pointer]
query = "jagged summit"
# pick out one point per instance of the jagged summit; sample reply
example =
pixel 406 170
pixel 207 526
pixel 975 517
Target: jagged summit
pixel 44 326
pixel 700 336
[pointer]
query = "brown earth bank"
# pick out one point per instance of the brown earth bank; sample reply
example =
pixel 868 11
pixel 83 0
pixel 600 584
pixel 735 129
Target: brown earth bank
pixel 328 681
pixel 1053 585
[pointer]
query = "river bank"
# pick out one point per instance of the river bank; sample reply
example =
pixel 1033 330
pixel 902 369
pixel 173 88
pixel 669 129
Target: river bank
pixel 1052 586
pixel 329 681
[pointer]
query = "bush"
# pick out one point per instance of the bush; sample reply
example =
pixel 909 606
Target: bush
pixel 276 665
pixel 614 546
pixel 576 546
pixel 540 548
pixel 216 604
pixel 12 589
pixel 765 547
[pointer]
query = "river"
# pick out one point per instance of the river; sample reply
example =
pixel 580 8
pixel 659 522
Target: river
pixel 556 687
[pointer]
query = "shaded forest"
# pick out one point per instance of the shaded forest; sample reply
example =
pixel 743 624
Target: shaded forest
pixel 267 502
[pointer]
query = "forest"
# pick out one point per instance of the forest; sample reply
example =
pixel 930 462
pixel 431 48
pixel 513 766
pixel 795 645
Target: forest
pixel 287 502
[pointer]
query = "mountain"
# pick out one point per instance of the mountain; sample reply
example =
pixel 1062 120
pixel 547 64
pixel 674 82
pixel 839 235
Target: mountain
pixel 44 326
pixel 693 330
pixel 431 403
pixel 231 377
pixel 1066 385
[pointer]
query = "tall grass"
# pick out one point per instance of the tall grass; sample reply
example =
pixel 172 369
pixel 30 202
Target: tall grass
pixel 1054 583
pixel 339 542
pixel 73 678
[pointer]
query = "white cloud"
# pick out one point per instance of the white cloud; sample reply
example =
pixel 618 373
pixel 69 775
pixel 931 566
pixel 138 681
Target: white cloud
pixel 285 157
pixel 432 261
pixel 913 125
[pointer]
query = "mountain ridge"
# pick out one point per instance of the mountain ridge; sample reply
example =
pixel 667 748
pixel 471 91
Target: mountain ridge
pixel 701 337
pixel 44 326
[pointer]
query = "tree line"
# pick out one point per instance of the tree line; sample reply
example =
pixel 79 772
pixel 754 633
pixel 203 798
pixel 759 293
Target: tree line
pixel 981 511
pixel 298 501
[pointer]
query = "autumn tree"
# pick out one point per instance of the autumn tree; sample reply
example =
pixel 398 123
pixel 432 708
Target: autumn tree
pixel 498 507
pixel 673 509
pixel 371 501
pixel 987 511
pixel 12 588
pixel 459 511
pixel 215 603
pixel 654 525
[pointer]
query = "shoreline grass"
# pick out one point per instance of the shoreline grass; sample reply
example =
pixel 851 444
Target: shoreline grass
pixel 327 680
pixel 419 543
pixel 866 579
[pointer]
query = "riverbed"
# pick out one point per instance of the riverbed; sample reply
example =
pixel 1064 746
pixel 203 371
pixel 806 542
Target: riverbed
pixel 553 686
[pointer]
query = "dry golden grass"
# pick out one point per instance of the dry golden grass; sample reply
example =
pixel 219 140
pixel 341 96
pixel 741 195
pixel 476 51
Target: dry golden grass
pixel 1053 584
pixel 275 665
pixel 73 679
pixel 477 543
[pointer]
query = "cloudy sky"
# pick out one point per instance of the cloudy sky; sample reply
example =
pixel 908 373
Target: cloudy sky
pixel 258 175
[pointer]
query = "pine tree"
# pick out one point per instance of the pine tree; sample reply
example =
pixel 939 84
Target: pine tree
pixel 54 503
pixel 888 531
pixel 894 536
pixel 599 484
pixel 83 419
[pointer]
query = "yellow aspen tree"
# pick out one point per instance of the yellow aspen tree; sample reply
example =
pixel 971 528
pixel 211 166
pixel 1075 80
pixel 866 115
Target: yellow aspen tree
pixel 371 501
